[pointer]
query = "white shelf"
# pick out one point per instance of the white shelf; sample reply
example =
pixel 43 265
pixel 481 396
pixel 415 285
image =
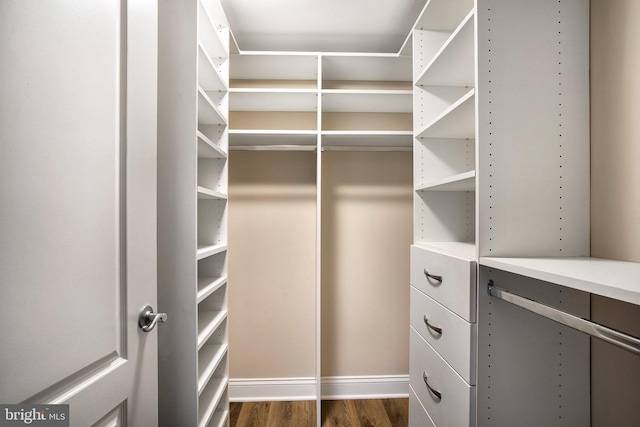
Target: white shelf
pixel 208 112
pixel 457 121
pixel 461 182
pixel 242 138
pixel 340 138
pixel 209 250
pixel 464 250
pixel 266 99
pixel 209 78
pixel 377 68
pixel 208 34
pixel 613 279
pixel 206 193
pixel 453 65
pixel 207 149
pixel 443 15
pixel 208 322
pixel 212 395
pixel 208 285
pixel 209 358
pixel 367 101
pixel 263 66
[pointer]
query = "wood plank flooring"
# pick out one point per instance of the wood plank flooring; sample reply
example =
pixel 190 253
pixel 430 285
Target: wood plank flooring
pixel 335 413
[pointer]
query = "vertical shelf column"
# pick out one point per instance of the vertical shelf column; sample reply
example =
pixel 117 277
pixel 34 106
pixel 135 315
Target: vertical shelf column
pixel 192 212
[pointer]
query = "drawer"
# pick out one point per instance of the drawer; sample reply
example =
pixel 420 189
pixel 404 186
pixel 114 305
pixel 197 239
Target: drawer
pixel 457 341
pixel 456 406
pixel 457 288
pixel 418 416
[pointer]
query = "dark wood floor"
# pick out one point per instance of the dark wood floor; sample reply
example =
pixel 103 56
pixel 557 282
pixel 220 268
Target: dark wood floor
pixel 335 413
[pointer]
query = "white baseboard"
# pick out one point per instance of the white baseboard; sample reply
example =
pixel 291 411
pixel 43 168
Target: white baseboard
pixel 271 389
pixel 365 387
pixel 333 388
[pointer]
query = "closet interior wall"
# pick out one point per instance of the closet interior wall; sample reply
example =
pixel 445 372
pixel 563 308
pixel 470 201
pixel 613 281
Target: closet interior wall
pixel 615 198
pixel 336 127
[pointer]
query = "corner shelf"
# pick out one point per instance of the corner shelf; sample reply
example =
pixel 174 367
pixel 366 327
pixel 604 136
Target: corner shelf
pixel 462 182
pixel 453 65
pixel 458 121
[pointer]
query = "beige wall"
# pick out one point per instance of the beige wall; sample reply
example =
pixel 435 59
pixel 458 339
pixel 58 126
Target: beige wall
pixel 615 197
pixel 272 261
pixel 366 233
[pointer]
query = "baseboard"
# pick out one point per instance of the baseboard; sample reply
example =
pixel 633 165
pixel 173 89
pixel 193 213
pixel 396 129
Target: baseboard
pixel 365 387
pixel 333 388
pixel 271 389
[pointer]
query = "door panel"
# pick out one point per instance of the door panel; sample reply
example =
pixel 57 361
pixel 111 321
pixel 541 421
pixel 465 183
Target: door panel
pixel 77 214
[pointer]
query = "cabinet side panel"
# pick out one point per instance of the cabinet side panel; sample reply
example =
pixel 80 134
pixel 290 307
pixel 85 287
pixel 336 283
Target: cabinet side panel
pixel 532 371
pixel 533 127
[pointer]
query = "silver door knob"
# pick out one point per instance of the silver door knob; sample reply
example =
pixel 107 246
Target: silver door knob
pixel 148 319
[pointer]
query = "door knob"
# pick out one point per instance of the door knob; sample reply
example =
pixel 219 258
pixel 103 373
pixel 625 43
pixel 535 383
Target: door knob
pixel 148 319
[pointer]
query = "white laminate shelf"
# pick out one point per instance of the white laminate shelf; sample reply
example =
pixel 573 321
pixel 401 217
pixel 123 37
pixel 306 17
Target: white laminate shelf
pixel 453 64
pixel 209 400
pixel 257 137
pixel 208 34
pixel 209 77
pixel 207 149
pixel 206 193
pixel 209 358
pixel 208 322
pixel 205 251
pixel 457 121
pixel 208 112
pixel 443 15
pixel 356 138
pixel 208 285
pixel 609 278
pixel 461 182
pixel 367 101
pixel 464 250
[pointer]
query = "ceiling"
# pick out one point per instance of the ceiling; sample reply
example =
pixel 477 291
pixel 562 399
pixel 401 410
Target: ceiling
pixel 322 25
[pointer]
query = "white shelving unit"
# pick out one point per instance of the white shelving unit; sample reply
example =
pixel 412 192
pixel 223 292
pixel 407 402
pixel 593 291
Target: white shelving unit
pixel 192 216
pixel 501 159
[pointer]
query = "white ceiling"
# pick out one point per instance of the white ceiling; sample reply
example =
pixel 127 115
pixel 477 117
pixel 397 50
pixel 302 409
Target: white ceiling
pixel 322 25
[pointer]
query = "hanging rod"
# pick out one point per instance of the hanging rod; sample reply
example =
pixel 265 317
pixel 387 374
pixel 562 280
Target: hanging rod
pixel 612 336
pixel 273 147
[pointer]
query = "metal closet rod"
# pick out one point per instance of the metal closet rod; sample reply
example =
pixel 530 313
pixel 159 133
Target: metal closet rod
pixel 313 148
pixel 622 340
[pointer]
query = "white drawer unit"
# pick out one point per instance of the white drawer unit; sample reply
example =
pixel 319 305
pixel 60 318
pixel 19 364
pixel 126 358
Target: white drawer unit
pixel 448 279
pixel 448 399
pixel 418 416
pixel 449 334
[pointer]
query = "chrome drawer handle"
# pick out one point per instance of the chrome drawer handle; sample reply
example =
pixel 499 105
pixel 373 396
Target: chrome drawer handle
pixel 435 392
pixel 433 276
pixel 430 326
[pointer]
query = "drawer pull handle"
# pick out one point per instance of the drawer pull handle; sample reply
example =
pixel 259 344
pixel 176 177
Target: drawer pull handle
pixel 435 392
pixel 430 326
pixel 433 276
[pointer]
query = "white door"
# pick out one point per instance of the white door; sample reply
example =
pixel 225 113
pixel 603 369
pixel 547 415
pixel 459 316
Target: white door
pixel 77 207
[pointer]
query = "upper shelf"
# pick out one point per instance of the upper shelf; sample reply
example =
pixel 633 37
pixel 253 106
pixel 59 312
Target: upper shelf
pixel 209 77
pixel 380 139
pixel 443 15
pixel 244 138
pixel 243 99
pixel 274 67
pixel 453 64
pixel 613 279
pixel 458 121
pixel 208 32
pixel 366 68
